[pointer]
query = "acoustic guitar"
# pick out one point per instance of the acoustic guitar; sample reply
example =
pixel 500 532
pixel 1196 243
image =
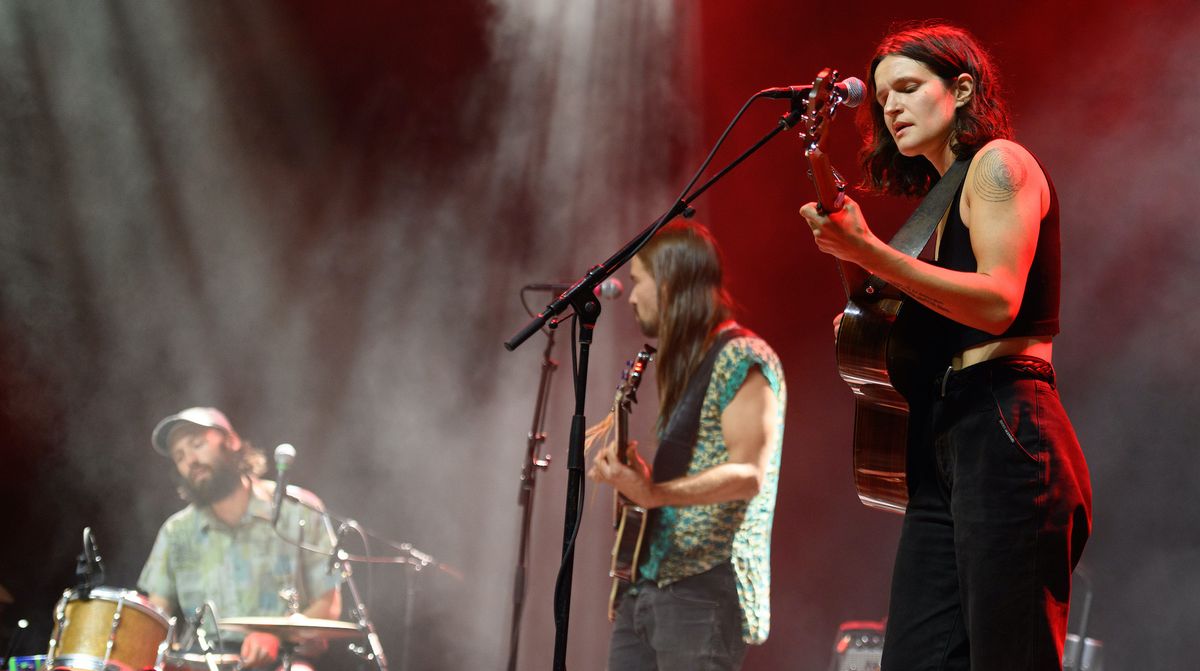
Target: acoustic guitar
pixel 629 519
pixel 872 358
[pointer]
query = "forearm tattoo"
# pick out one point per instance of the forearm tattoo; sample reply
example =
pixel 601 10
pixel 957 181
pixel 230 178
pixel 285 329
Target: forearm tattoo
pixel 999 174
pixel 936 304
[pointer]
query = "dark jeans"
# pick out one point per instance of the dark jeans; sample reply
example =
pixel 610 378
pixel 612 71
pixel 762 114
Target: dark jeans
pixel 999 512
pixel 694 624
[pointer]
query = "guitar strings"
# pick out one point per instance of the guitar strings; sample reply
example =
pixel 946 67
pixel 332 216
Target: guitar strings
pixel 598 436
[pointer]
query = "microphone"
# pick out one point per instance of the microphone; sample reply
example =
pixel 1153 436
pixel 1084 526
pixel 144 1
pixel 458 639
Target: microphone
pixel 851 90
pixel 90 569
pixel 610 288
pixel 285 454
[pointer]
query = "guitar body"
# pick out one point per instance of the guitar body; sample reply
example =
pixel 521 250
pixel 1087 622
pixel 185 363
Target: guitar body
pixel 876 362
pixel 627 550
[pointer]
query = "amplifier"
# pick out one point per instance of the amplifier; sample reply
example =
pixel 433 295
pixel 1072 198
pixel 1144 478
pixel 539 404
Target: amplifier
pixel 859 646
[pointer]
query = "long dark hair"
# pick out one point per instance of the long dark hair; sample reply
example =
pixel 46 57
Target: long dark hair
pixel 685 263
pixel 948 51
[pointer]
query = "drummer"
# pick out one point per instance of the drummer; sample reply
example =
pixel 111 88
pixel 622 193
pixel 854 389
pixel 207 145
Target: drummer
pixel 221 547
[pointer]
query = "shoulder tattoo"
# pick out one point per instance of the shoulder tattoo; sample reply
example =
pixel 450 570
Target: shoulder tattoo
pixel 999 174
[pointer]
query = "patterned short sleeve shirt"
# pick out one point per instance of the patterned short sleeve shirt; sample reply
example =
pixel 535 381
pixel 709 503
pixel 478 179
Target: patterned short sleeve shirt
pixel 243 568
pixel 690 540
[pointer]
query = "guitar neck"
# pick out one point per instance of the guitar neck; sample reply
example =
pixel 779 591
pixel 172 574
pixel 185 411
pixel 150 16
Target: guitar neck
pixel 621 422
pixel 831 196
pixel 830 187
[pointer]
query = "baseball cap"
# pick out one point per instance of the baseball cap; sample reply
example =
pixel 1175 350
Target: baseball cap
pixel 207 417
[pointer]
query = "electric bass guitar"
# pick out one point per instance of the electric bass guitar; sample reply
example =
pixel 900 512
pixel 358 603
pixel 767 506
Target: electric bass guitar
pixel 629 519
pixel 871 358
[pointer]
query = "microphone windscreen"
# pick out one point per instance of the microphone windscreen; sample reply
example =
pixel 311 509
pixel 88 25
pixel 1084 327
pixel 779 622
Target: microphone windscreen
pixel 856 92
pixel 285 454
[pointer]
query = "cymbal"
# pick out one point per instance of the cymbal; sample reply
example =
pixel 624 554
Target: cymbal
pixel 293 628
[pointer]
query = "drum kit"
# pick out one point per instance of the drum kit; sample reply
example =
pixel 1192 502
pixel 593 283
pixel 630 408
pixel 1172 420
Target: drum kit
pixel 112 629
pixel 101 628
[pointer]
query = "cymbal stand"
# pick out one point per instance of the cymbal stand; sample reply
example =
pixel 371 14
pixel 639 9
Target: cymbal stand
pixel 362 618
pixel 339 558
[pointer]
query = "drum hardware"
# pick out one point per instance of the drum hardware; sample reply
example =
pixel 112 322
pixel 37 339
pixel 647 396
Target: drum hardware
pixel 291 597
pixel 209 657
pixel 89 569
pixel 292 630
pixel 163 647
pixel 361 652
pixel 212 661
pixel 112 636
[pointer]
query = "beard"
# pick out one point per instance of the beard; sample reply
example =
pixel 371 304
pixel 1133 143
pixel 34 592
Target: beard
pixel 224 478
pixel 647 327
pixel 648 330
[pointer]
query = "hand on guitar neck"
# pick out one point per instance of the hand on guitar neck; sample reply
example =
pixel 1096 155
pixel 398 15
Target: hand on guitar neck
pixel 843 234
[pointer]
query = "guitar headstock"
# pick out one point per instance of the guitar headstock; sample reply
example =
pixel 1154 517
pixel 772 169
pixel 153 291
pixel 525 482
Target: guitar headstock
pixel 631 379
pixel 819 108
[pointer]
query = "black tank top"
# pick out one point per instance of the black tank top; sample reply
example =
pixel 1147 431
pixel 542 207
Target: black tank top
pixel 1038 315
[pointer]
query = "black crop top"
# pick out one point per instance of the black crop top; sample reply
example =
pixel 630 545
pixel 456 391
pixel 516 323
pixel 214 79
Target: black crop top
pixel 1038 315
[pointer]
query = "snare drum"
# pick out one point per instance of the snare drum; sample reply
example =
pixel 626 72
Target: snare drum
pixel 110 629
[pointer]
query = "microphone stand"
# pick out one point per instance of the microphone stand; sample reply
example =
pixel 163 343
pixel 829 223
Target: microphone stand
pixel 582 299
pixel 529 470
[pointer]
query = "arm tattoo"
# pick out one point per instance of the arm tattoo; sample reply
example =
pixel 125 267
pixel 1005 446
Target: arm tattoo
pixel 999 175
pixel 935 304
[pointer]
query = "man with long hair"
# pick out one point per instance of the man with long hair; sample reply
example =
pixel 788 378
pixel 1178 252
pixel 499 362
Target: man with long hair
pixel 703 589
pixel 999 502
pixel 222 548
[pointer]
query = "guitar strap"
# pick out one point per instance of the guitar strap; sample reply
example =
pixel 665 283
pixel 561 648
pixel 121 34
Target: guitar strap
pixel 674 454
pixel 916 233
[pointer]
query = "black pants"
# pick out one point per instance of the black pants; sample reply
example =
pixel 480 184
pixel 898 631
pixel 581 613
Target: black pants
pixel 998 514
